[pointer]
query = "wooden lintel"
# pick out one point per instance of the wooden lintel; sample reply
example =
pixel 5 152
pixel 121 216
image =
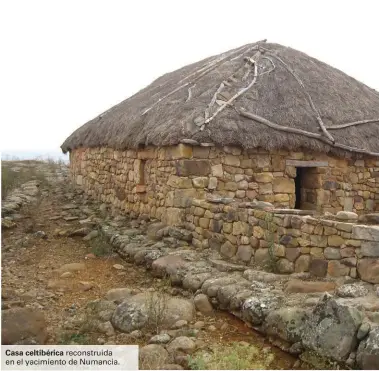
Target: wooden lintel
pixel 299 163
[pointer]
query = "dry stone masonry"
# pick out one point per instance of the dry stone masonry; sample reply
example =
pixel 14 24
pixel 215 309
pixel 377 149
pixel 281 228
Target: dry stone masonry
pixel 158 181
pixel 240 203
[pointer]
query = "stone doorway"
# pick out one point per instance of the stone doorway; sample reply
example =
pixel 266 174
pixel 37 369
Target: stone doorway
pixel 306 184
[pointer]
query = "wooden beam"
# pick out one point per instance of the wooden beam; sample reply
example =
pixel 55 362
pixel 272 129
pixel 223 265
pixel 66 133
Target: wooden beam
pixel 298 163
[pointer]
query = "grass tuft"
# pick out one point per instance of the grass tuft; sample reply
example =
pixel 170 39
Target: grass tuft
pixel 75 338
pixel 234 356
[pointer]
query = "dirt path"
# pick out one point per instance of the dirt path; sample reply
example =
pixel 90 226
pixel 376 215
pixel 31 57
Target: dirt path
pixel 34 251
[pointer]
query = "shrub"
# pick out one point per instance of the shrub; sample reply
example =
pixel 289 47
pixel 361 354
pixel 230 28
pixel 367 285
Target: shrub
pixel 100 245
pixel 157 306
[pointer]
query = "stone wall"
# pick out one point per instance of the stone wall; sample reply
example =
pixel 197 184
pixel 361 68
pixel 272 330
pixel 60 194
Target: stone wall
pixel 254 234
pixel 173 184
pixel 161 182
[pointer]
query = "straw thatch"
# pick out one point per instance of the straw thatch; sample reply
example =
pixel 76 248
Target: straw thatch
pixel 260 95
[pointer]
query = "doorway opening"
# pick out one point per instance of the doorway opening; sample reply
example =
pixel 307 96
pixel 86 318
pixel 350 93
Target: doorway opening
pixel 306 184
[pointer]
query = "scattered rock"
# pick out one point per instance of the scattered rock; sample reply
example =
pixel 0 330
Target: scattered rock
pixel 86 286
pixel 7 294
pixel 118 295
pixel 351 360
pixel 70 218
pixel 58 232
pixel 71 267
pixel 181 344
pixel 351 291
pixel 160 339
pixel 81 232
pixel 168 264
pixel 152 230
pixel 203 304
pixel 224 327
pixel 59 285
pixel 118 267
pixel 40 234
pixel 7 224
pixel 180 234
pixel 91 235
pixel 194 281
pixel 179 324
pixel 90 256
pixel 66 275
pixel 32 294
pixel 69 206
pixel 100 341
pixel 364 329
pixel 136 334
pixel 199 324
pixel 152 357
pixel 106 328
pixel 101 310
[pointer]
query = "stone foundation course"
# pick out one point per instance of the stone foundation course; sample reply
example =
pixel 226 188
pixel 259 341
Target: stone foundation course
pixel 328 322
pixel 284 241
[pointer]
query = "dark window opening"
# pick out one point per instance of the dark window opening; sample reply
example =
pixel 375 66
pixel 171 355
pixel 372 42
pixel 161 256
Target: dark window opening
pixel 141 172
pixel 298 186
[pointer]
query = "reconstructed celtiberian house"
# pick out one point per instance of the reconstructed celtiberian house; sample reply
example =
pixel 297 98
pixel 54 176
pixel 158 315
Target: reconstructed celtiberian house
pixel 262 122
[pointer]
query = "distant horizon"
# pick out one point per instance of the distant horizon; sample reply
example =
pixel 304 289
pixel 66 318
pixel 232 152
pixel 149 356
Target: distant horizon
pixel 32 154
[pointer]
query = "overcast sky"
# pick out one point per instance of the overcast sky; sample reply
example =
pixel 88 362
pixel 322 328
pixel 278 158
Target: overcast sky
pixel 64 62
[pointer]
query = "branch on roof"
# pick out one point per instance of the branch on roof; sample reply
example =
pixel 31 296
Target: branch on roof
pixel 213 100
pixel 318 117
pixel 190 92
pixel 235 96
pixel 342 126
pixel 271 124
pixel 308 134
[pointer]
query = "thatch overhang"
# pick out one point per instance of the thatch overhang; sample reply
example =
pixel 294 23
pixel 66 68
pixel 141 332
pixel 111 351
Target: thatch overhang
pixel 261 95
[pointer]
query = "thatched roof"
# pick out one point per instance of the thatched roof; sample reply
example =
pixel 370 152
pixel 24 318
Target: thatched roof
pixel 278 98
